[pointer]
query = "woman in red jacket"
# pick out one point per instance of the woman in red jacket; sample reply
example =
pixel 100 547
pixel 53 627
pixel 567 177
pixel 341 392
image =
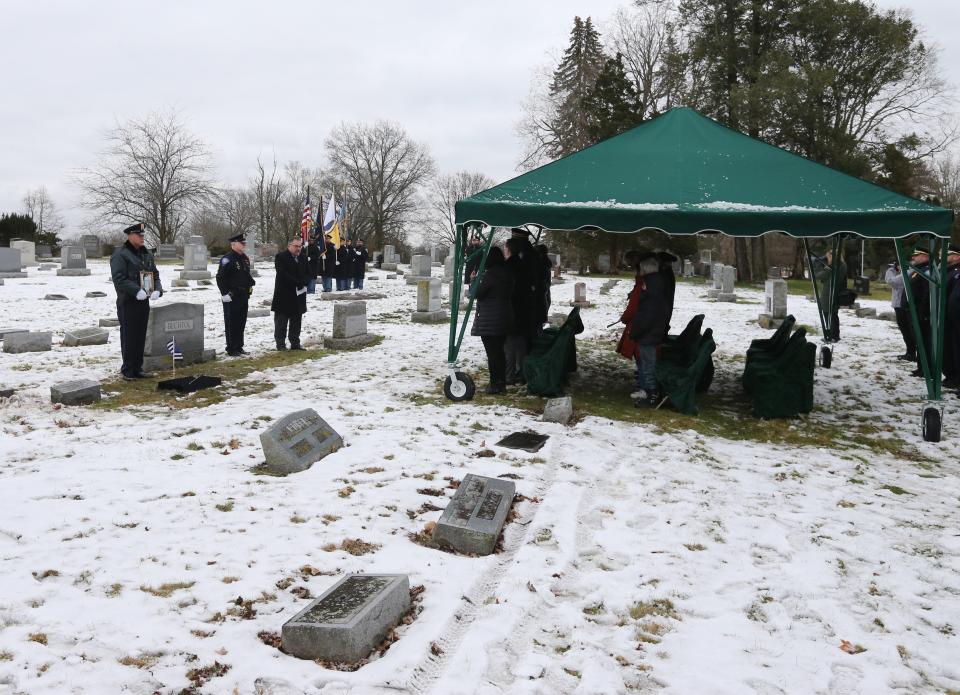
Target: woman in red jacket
pixel 627 347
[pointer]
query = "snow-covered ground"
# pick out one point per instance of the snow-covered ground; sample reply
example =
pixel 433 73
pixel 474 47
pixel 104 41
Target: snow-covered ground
pixel 645 559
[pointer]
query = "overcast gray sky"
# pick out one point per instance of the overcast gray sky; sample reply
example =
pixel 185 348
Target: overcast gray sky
pixel 256 78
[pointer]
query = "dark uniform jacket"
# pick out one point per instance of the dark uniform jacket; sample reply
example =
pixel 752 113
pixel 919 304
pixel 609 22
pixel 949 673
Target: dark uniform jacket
pixel 233 275
pixel 341 270
pixel 360 258
pixel 524 297
pixel 292 275
pixel 494 306
pixel 649 324
pixel 126 263
pixel 313 260
pixel 328 261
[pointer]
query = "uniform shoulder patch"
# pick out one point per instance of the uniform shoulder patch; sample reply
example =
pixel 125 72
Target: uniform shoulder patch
pixel 224 261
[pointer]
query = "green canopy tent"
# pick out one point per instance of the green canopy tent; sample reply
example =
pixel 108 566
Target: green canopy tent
pixel 683 173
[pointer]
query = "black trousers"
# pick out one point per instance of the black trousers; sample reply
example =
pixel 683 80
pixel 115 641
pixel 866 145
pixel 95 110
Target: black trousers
pixel 496 358
pixel 133 315
pixel 951 348
pixel 280 327
pixel 905 324
pixel 235 321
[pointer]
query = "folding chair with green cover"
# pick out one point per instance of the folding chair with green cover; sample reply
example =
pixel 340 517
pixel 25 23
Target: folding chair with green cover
pixel 779 337
pixel 680 381
pixel 781 384
pixel 553 354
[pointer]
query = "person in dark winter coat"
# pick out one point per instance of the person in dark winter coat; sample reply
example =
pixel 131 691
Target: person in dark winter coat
pixel 526 307
pixel 235 283
pixel 137 281
pixel 547 269
pixel 361 256
pixel 350 270
pixel 921 298
pixel 313 263
pixel 951 333
pixel 494 316
pixel 649 325
pixel 472 262
pixel 341 270
pixel 327 263
pixel 666 261
pixel 290 294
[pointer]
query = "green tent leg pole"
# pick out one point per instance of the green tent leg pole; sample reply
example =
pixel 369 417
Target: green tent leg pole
pixel 938 309
pixel 480 270
pixel 456 288
pixel 811 265
pixel 923 360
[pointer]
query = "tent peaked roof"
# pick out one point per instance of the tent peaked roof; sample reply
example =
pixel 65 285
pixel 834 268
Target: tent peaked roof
pixel 683 173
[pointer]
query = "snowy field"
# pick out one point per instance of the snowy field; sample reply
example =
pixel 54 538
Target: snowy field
pixel 646 557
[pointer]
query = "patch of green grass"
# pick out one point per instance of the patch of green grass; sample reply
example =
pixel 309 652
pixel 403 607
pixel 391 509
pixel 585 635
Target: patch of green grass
pixel 144 392
pixel 662 607
pixel 165 590
pixel 895 489
pixel 225 507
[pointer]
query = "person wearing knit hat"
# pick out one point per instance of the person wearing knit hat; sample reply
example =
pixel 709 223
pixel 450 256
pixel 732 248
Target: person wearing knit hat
pixel 137 282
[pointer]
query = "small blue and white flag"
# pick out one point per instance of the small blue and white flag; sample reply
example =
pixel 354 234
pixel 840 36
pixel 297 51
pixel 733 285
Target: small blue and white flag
pixel 174 350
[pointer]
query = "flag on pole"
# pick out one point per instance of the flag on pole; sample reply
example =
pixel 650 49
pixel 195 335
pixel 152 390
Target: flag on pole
pixel 331 221
pixel 306 222
pixel 174 350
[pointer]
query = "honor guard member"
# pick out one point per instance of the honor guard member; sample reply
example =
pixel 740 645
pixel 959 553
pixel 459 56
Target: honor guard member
pixel 236 285
pixel 137 281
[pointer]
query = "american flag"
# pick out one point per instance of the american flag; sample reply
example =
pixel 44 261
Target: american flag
pixel 306 221
pixel 174 350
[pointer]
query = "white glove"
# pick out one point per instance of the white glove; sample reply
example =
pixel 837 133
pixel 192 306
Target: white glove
pixel 226 298
pixel 141 295
pixel 154 296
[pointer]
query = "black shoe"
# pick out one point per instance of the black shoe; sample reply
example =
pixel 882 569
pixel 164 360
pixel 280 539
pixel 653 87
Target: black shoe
pixel 127 377
pixel 241 351
pixel 297 347
pixel 495 388
pixel 950 384
pixel 281 348
pixel 917 372
pixel 907 357
pixel 144 375
pixel 233 353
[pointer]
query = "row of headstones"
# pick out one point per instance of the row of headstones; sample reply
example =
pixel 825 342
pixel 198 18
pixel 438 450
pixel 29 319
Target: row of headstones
pixel 352 617
pixel 723 278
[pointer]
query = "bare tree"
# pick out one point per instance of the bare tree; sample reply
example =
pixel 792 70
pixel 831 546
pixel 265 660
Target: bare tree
pixel 441 195
pixel 38 204
pixel 152 170
pixel 384 168
pixel 538 120
pixel 268 191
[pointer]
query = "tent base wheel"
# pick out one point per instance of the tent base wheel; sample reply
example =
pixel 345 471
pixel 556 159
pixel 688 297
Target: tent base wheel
pixel 932 421
pixel 826 357
pixel 461 389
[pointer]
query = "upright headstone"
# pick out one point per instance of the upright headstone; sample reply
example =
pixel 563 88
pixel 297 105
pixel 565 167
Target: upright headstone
pixel 716 277
pixel 180 321
pixel 73 261
pixel 349 327
pixel 687 268
pixel 91 245
pixel 348 620
pixel 558 410
pixel 420 269
pixel 389 257
pixel 434 255
pixel 448 268
pixel 44 251
pixel 603 263
pixel 428 302
pixel 727 288
pixel 580 296
pixel 195 260
pixel 10 266
pixel 297 441
pixel 473 519
pixel 76 392
pixel 775 303
pixel 706 256
pixel 167 252
pixel 252 254
pixel 28 257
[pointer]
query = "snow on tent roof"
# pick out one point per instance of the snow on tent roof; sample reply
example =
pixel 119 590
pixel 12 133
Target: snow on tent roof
pixel 684 173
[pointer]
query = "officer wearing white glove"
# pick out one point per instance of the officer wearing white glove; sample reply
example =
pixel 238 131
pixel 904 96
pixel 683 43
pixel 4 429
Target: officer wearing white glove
pixel 141 295
pixel 226 298
pixel 154 296
pixel 235 282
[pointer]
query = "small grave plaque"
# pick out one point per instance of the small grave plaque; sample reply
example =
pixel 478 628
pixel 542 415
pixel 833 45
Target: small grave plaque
pixel 85 336
pixel 558 410
pixel 527 441
pixel 297 441
pixel 349 620
pixel 472 522
pixel 77 392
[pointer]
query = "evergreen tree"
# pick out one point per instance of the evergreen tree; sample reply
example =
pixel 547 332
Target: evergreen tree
pixel 573 80
pixel 16 226
pixel 611 107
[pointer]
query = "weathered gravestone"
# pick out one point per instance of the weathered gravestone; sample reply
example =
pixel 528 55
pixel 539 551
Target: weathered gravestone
pixel 76 392
pixel 349 620
pixel 775 303
pixel 108 323
pixel 556 320
pixel 727 289
pixel 180 321
pixel 389 258
pixel 716 278
pixel 55 297
pixel 607 286
pixel 10 266
pixel 85 336
pixel 73 261
pixel 473 519
pixel 95 294
pixel 687 268
pixel 420 269
pixel 349 327
pixel 28 256
pixel 558 410
pixel 257 313
pixel 297 441
pixel 251 252
pixel 195 260
pixel 4 332
pixel 866 312
pixel 580 296
pixel 448 268
pixel 428 302
pixel 603 263
pixel 167 252
pixel 43 251
pixel 27 341
pixel 91 245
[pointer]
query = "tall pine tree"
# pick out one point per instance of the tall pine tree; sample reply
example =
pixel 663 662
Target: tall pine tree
pixel 611 107
pixel 573 81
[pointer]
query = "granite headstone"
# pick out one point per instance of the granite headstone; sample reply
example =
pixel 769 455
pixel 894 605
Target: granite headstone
pixel 297 441
pixel 473 519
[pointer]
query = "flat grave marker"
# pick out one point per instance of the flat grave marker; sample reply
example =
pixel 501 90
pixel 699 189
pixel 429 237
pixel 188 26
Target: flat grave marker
pixel 473 519
pixel 297 441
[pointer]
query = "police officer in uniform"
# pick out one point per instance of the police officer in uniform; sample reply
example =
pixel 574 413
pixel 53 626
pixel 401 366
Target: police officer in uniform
pixel 137 281
pixel 236 285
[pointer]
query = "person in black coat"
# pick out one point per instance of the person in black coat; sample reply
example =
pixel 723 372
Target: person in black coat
pixel 527 303
pixel 494 316
pixel 546 266
pixel 235 282
pixel 921 299
pixel 341 270
pixel 290 294
pixel 666 261
pixel 361 256
pixel 649 325
pixel 137 281
pixel 472 259
pixel 327 263
pixel 313 263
